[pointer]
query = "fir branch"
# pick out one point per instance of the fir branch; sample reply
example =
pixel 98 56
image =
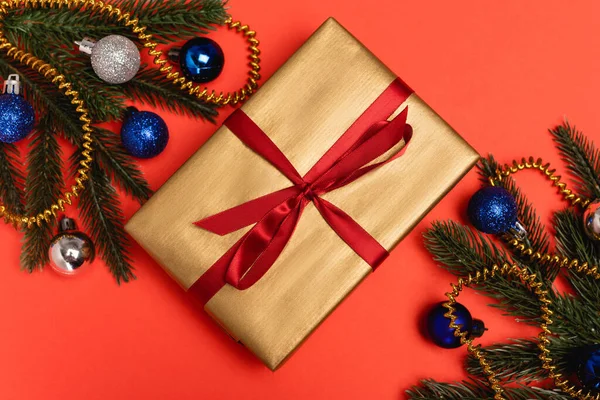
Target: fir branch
pixel 432 390
pixel 518 361
pixel 120 165
pixel 462 251
pixel 167 20
pixel 101 213
pixel 44 181
pixel 11 179
pixel 150 87
pixel 114 160
pixel 582 158
pixel 576 319
pixel 572 242
pixel 179 19
pixel 537 236
pixel 515 361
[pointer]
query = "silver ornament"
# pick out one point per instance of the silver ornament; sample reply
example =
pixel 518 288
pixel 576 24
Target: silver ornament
pixel 70 249
pixel 591 220
pixel 115 59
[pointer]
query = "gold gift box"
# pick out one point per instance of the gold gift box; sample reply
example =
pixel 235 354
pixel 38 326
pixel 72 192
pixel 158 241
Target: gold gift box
pixel 304 108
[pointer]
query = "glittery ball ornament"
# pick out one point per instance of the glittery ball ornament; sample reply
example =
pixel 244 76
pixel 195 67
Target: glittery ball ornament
pixel 144 134
pixel 70 249
pixel 493 210
pixel 438 325
pixel 591 220
pixel 201 59
pixel 17 116
pixel 589 369
pixel 115 59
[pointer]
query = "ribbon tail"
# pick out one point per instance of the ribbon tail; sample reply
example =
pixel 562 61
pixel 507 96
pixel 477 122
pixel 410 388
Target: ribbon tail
pixel 352 233
pixel 382 137
pixel 263 244
pixel 365 170
pixel 245 214
pixel 381 109
pixel 213 279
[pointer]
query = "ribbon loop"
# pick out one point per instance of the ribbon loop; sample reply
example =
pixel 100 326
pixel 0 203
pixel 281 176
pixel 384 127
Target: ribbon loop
pixel 276 215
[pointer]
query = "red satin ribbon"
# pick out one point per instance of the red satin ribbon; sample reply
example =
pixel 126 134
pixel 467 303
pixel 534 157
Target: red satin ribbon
pixel 276 215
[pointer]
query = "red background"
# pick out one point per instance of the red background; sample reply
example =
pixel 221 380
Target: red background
pixel 501 73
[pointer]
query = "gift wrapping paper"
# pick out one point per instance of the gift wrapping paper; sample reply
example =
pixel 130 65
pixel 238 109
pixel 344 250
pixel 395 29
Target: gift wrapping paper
pixel 304 108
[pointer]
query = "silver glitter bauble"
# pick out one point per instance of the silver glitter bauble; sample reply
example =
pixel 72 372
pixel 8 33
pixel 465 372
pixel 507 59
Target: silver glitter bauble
pixel 115 59
pixel 591 220
pixel 70 249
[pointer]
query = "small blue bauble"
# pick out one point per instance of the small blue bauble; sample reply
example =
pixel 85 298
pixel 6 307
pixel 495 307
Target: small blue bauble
pixel 493 210
pixel 201 60
pixel 438 325
pixel 17 118
pixel 144 134
pixel 589 370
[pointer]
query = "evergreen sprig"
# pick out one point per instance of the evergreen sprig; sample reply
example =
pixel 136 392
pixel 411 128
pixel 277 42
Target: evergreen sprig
pixel 102 215
pixel 575 319
pixel 168 21
pixel 582 158
pixel 49 34
pixel 462 251
pixel 44 181
pixel 11 178
pixel 149 87
pixel 572 242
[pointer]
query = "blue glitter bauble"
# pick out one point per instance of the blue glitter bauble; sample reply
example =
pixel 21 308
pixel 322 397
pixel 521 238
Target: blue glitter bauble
pixel 17 118
pixel 438 325
pixel 144 134
pixel 493 210
pixel 201 60
pixel 589 371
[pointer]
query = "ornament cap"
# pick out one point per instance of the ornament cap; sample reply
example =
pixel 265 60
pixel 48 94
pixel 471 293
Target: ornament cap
pixel 477 329
pixel 12 84
pixel 86 45
pixel 173 54
pixel 518 231
pixel 66 224
pixel 129 111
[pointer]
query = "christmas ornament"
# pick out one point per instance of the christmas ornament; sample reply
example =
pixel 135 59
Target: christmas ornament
pixel 588 371
pixel 17 116
pixel 591 220
pixel 115 59
pixel 438 325
pixel 144 134
pixel 200 59
pixel 494 210
pixel 70 249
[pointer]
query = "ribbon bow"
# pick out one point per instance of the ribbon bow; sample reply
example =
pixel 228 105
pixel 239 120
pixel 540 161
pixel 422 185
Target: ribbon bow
pixel 276 215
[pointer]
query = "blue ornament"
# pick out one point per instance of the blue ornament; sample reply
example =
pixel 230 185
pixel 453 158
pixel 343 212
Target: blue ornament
pixel 201 59
pixel 589 369
pixel 144 134
pixel 493 210
pixel 438 326
pixel 17 116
